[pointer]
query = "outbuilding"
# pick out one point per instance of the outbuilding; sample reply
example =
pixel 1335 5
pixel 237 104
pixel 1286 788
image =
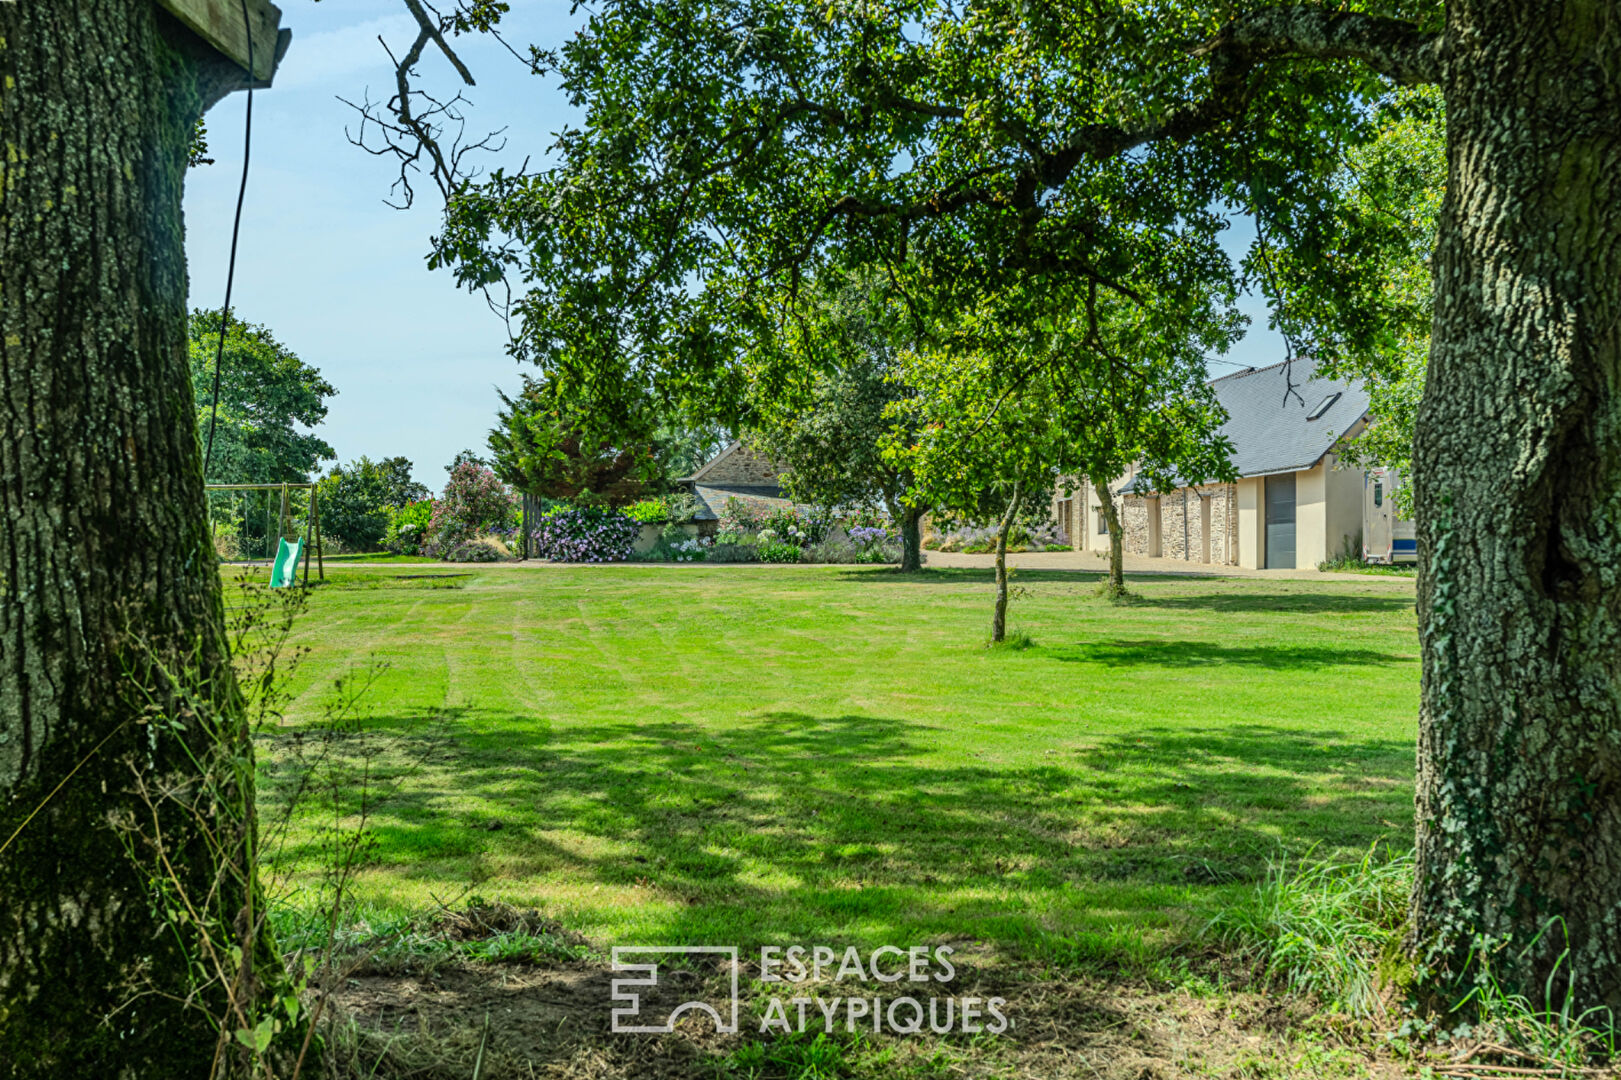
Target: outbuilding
pixel 1295 503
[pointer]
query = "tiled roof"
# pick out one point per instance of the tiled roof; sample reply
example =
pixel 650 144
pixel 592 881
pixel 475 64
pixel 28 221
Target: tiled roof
pixel 1271 426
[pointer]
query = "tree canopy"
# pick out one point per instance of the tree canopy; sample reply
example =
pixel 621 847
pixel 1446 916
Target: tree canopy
pixel 268 397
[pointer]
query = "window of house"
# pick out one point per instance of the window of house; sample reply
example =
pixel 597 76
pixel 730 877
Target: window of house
pixel 1378 493
pixel 1323 406
pixel 1103 523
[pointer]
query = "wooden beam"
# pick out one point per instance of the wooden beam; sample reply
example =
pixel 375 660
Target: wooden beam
pixel 219 22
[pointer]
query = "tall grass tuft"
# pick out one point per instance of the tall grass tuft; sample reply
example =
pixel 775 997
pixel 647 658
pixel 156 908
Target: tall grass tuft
pixel 1327 929
pixel 1553 1035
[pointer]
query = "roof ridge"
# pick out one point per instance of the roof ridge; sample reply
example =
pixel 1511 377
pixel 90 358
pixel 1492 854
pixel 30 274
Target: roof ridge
pixel 1258 370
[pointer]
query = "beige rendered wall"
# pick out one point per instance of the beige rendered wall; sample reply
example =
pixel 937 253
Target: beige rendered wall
pixel 1094 540
pixel 1344 508
pixel 1251 534
pixel 1311 516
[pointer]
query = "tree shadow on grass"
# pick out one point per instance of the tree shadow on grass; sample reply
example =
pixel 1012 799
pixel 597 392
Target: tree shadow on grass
pixel 1194 654
pixel 799 826
pixel 960 575
pixel 1310 600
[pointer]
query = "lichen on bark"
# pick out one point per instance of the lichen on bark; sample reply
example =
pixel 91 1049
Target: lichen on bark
pixel 114 669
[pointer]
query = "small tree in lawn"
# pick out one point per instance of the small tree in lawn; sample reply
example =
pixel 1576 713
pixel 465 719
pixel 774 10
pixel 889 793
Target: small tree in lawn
pixel 827 394
pixel 1130 387
pixel 986 441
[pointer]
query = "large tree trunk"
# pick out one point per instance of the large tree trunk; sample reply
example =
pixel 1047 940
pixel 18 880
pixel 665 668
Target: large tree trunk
pixel 1005 526
pixel 1117 540
pixel 1518 486
pixel 114 671
pixel 911 539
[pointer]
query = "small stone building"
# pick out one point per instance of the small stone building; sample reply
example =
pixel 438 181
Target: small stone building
pixel 1293 505
pixel 737 472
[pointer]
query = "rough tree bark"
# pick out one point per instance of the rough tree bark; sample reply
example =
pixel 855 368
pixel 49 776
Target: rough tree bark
pixel 1005 526
pixel 911 518
pixel 106 570
pixel 1518 488
pixel 1117 542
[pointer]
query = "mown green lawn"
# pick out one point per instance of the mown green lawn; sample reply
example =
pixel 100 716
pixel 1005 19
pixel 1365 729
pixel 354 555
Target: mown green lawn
pixel 744 755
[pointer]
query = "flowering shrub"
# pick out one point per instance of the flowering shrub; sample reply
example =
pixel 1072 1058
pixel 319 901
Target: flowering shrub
pixel 831 550
pixel 692 550
pixel 979 539
pixel 867 535
pixel 773 551
pixel 798 527
pixel 874 544
pixel 740 517
pixel 674 545
pixel 732 552
pixel 479 549
pixel 866 517
pixel 408 527
pixel 473 500
pixel 584 535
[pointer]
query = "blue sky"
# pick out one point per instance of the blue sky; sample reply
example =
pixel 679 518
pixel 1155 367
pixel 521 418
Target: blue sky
pixel 340 277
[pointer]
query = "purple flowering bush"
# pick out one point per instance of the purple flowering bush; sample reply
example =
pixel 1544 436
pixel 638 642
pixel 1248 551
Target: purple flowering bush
pixel 474 501
pixel 874 544
pixel 584 534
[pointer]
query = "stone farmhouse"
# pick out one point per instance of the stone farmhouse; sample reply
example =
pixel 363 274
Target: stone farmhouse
pixel 738 472
pixel 1293 505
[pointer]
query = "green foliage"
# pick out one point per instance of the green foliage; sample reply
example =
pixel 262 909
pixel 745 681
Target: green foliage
pixel 777 551
pixel 952 150
pixel 731 551
pixel 355 504
pixel 1325 928
pixel 267 395
pixel 680 449
pixel 399 489
pixel 1395 185
pixel 545 445
pixel 1353 564
pixel 473 501
pixel 408 527
pixel 821 392
pixel 678 507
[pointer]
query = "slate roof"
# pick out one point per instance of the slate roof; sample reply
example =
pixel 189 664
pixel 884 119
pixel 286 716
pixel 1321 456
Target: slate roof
pixel 712 498
pixel 1267 424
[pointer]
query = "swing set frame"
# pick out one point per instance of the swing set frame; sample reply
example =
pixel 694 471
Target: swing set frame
pixel 312 520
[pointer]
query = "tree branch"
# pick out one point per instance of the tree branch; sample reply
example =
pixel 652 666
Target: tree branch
pixel 1393 47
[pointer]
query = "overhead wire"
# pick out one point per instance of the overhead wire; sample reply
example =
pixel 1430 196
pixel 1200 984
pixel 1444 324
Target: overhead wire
pixel 230 266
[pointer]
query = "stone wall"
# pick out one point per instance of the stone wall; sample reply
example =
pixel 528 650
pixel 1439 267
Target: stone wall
pixel 1134 523
pixel 1181 523
pixel 744 465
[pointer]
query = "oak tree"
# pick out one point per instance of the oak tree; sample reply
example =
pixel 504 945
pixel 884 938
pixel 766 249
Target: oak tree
pixel 735 145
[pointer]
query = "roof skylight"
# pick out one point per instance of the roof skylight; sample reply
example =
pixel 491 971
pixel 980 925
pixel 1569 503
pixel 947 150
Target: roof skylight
pixel 1323 406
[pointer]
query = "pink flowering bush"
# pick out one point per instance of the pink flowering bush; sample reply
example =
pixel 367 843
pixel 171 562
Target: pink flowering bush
pixel 473 501
pixel 584 534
